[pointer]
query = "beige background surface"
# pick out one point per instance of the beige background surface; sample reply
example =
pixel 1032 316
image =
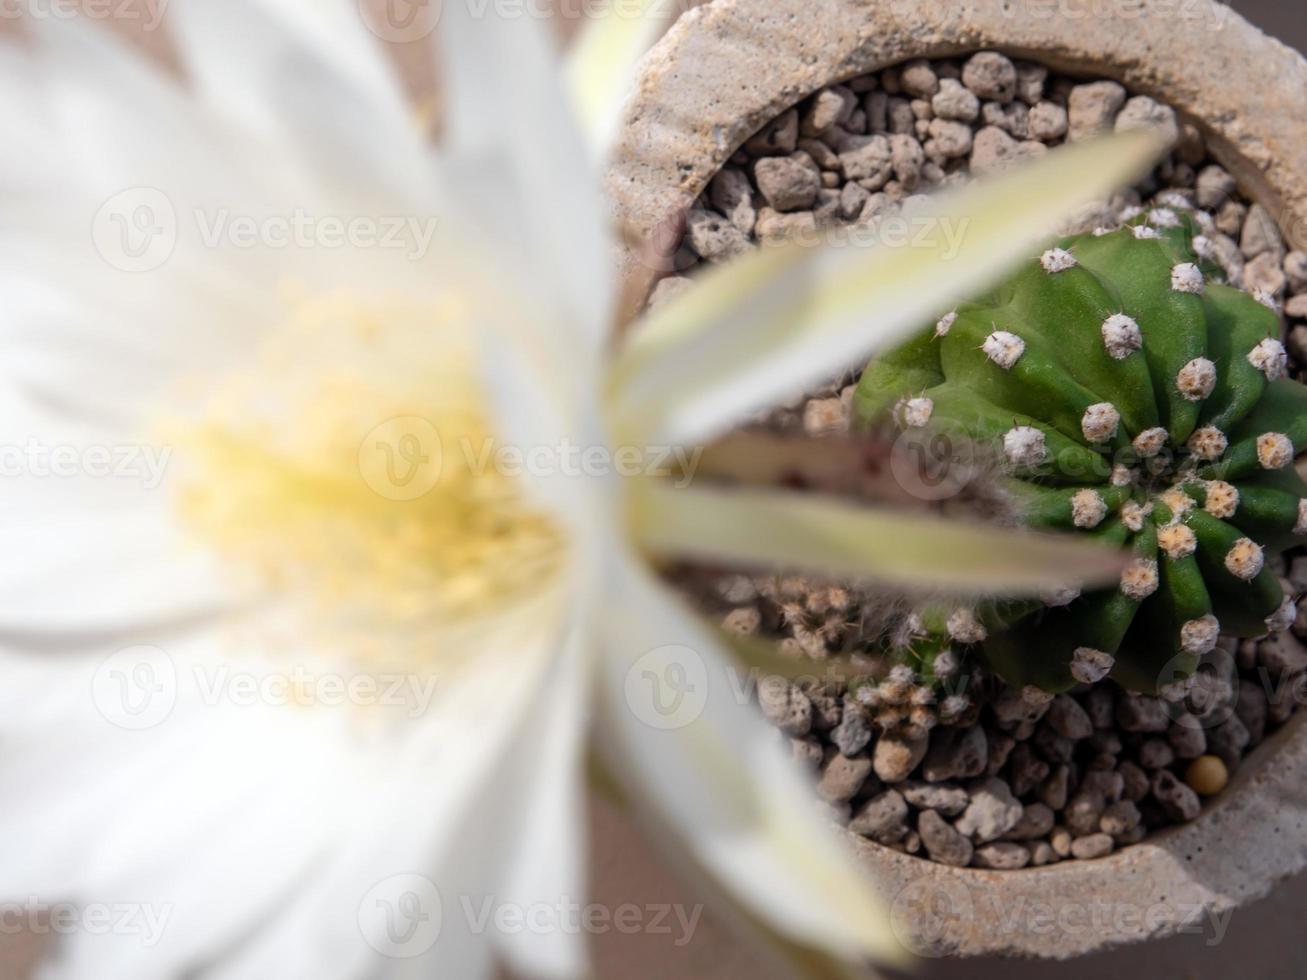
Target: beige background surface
pixel 1264 941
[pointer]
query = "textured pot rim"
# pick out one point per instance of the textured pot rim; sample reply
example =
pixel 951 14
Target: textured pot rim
pixel 726 69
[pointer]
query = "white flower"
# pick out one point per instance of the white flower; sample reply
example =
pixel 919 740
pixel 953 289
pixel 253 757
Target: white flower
pixel 365 514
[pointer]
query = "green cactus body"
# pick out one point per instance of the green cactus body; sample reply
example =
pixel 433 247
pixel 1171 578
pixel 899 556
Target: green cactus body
pixel 1129 396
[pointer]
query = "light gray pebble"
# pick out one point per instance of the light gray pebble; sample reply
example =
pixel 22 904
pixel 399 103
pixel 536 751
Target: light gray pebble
pixel 843 778
pixel 731 193
pixel 1060 840
pixel 918 79
pixel 1067 718
pixel 943 843
pixel 1283 656
pixel 1177 800
pixel 1156 753
pixel 1295 268
pixel 1228 741
pixel 1082 813
pixel 1037 820
pixel 787 183
pixel 1092 109
pixel 715 238
pixel 1142 112
pixel 1265 273
pixel 876 106
pixel 1230 218
pixel 1052 746
pixel 1030 82
pixel 786 707
pixel 896 755
pixel 1214 187
pixel 1001 856
pixel 1010 708
pixel 778 138
pixel 1252 711
pixel 948 799
pixel 1053 791
pixel 952 139
pixel 1141 713
pixel 1261 234
pixel 1000 748
pixel 1297 308
pixel 956 754
pixel 1011 117
pixel 1101 707
pixel 1091 847
pixel 1042 853
pixel 867 158
pixel 992 811
pixel 853 733
pixel 991 76
pixel 1120 818
pixel 1047 121
pixel 829 107
pixel 807 752
pixel 955 102
pixel 1025 769
pixel 1187 737
pixel 883 818
pixel 668 289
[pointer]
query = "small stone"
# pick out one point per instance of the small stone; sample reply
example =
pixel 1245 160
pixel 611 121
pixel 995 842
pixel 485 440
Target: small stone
pixel 830 107
pixel 1042 853
pixel 1108 744
pixel 992 150
pixel 1083 812
pixel 1056 787
pixel 992 811
pixel 956 754
pixel 1261 235
pixel 1214 187
pixel 955 102
pixel 1120 818
pixel 1092 109
pixel 1265 274
pixel 731 193
pixel 1100 707
pixel 1060 840
pixel 1092 847
pixel 1067 718
pixel 1143 113
pixel 853 733
pixel 715 238
pixel 897 755
pixel 824 416
pixel 918 79
pixel 778 138
pixel 1207 775
pixel 907 157
pixel 787 183
pixel 1155 753
pixel 869 159
pixel 1141 713
pixel 1230 218
pixel 1052 746
pixel 951 139
pixel 775 228
pixel 1187 737
pixel 786 707
pixel 1011 117
pixel 1295 269
pixel 1252 709
pixel 1000 749
pixel 942 842
pixel 1179 801
pixel 807 752
pixel 990 75
pixel 1297 308
pixel 1001 856
pixel 1037 820
pixel 1025 769
pixel 842 778
pixel 1283 656
pixel 1048 122
pixel 947 799
pixel 883 818
pixel 1228 741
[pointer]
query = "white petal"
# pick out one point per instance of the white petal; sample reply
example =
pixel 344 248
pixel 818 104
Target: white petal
pixel 680 733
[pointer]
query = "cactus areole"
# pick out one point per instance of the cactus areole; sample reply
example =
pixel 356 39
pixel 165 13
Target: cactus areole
pixel 1125 393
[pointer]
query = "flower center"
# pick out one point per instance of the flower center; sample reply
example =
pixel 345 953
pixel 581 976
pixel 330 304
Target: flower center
pixel 342 468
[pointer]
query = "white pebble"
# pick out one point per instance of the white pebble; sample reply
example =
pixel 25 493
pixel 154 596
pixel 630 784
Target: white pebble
pixel 1122 336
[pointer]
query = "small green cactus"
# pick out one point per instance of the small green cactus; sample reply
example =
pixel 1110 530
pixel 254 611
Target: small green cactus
pixel 1128 394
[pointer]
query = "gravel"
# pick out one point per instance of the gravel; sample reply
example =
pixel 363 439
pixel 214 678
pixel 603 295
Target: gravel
pixel 990 776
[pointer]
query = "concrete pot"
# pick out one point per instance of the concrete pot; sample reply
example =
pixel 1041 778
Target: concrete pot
pixel 728 68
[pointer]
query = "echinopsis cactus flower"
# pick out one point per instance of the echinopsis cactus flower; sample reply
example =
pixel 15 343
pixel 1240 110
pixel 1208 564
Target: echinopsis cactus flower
pixel 1129 395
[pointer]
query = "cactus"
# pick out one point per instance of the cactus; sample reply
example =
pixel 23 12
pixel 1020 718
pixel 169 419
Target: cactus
pixel 1128 394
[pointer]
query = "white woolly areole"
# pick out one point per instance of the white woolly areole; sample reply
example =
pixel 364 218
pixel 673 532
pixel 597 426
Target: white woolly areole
pixel 901 674
pixel 1150 442
pixel 1177 540
pixel 1103 230
pixel 915 413
pixel 1035 697
pixel 1267 299
pixel 1004 349
pixel 1164 218
pixel 1245 559
pixel 1124 476
pixel 1284 617
pixel 1060 596
pixel 1057 260
pixel 1140 579
pixel 1121 336
pixel 1274 450
pixel 1130 212
pixel 964 627
pixel 1199 636
pixel 1177 501
pixel 946 664
pixel 1196 379
pixel 945 324
pixel 1222 499
pixel 1270 358
pixel 1089 666
pixel 1145 232
pixel 1088 509
pixel 1205 221
pixel 1301 526
pixel 1024 446
pixel 1174 199
pixel 1187 278
pixel 1101 422
pixel 1133 515
pixel 1204 247
pixel 1208 443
